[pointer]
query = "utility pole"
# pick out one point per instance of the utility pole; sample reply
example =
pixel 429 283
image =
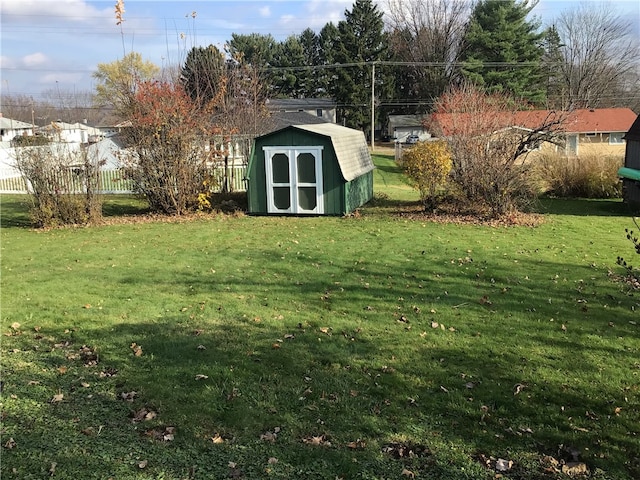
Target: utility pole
pixel 373 105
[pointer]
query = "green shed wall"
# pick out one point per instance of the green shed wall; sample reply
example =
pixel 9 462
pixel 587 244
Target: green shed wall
pixel 358 192
pixel 334 187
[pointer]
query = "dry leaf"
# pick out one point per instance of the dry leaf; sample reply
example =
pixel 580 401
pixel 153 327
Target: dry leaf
pixel 143 464
pixel 137 349
pixel 52 469
pixel 57 398
pixel 573 469
pixel 269 437
pixel 408 473
pixel 62 370
pixel 128 396
pixel 435 324
pixel 217 439
pixel 503 465
pixel 11 443
pixel 201 347
pixel 275 346
pixel 15 325
pixel 325 330
pixel 272 460
pixel 201 377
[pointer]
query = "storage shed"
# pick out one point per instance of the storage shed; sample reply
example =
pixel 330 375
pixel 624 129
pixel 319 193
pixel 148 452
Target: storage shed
pixel 321 169
pixel 630 173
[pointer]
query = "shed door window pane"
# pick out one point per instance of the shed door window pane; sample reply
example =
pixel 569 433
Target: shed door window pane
pixel 280 165
pixel 307 198
pixel 282 198
pixel 306 168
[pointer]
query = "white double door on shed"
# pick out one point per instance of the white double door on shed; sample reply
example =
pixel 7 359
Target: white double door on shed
pixel 294 180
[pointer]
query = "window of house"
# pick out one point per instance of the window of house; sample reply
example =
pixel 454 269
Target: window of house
pixel 319 112
pixel 615 138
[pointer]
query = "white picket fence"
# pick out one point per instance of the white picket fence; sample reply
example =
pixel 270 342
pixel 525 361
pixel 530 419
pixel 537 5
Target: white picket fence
pixel 11 181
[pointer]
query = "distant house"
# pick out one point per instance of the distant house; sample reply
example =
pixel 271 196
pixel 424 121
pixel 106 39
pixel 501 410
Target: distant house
pixel 70 132
pixel 9 129
pixel 586 131
pixel 401 126
pixel 324 108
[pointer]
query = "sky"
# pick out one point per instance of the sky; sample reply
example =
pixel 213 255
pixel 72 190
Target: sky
pixel 52 47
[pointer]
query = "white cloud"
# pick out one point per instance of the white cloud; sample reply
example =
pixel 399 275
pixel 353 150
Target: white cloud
pixel 7 62
pixel 287 19
pixel 265 12
pixel 34 60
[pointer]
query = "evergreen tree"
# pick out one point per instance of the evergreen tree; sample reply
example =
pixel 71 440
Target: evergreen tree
pixel 552 60
pixel 502 49
pixel 360 42
pixel 203 73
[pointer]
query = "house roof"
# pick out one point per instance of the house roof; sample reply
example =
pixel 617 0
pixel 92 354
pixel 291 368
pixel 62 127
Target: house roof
pixel 350 146
pixel 10 124
pixel 406 120
pixel 300 103
pixel 634 131
pixel 280 120
pixel 602 120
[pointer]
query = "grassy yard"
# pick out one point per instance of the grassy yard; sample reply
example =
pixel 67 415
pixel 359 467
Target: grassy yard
pixel 365 347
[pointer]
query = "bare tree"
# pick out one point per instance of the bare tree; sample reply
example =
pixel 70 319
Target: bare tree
pixel 429 34
pixel 600 57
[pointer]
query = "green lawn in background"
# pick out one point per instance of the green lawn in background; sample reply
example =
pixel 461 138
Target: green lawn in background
pixel 364 347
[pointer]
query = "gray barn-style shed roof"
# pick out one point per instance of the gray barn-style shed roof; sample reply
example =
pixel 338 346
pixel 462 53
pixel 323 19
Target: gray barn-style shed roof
pixel 350 146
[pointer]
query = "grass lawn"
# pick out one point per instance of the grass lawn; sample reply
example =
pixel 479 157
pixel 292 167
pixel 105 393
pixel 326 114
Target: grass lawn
pixel 365 347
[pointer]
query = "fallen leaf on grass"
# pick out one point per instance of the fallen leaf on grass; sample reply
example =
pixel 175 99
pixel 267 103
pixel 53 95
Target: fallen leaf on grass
pixel 518 388
pixel 143 414
pixel 272 460
pixel 52 469
pixel 408 473
pixel 57 398
pixel 435 324
pixel 357 445
pixel 269 437
pixel 201 347
pixel 62 370
pixel 165 434
pixel 573 469
pixel 137 349
pixel 325 330
pixel 15 326
pixel 317 441
pixel 201 377
pixel 10 444
pixel 503 465
pixel 143 464
pixel 217 439
pixel 128 396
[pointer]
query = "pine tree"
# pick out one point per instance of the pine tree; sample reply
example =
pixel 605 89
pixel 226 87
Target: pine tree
pixel 203 73
pixel 503 49
pixel 360 42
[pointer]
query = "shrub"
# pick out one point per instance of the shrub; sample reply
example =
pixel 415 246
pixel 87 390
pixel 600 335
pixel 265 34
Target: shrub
pixel 63 185
pixel 586 176
pixel 428 165
pixel 169 167
pixel 488 153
